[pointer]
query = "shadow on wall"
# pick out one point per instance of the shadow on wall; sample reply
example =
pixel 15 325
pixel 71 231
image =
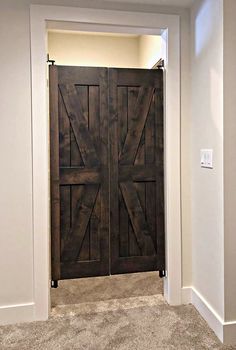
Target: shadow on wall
pixel 207 132
pixel 203 28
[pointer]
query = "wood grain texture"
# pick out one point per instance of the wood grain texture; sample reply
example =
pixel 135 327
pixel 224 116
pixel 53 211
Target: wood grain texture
pixel 79 176
pixel 94 123
pixel 140 169
pixel 122 106
pixel 65 161
pixel 79 125
pixel 104 158
pixel 136 127
pixel 85 204
pixel 150 136
pixel 114 189
pixel 137 218
pixel 83 171
pixel 159 156
pixel 83 101
pixel 133 92
pixel 139 173
pixel 54 170
pixel 107 171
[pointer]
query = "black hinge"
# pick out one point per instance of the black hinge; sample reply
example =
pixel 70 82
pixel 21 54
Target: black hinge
pixel 52 62
pixel 54 284
pixel 162 273
pixel 159 65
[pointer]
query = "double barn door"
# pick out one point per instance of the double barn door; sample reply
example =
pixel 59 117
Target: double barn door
pixel 107 183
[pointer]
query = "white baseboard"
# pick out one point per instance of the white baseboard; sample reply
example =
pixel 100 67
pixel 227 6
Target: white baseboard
pixel 11 314
pixel 225 331
pixel 208 313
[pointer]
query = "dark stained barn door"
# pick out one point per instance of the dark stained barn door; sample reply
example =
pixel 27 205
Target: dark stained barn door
pixel 136 170
pixel 79 172
pixel 107 182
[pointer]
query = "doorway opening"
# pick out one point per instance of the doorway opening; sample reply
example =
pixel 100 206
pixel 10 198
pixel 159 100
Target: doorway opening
pixel 44 17
pixel 73 53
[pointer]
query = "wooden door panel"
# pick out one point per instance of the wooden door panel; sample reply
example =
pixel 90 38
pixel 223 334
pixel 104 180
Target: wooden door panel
pixel 137 202
pixel 54 174
pixel 137 121
pixel 72 98
pixel 137 218
pixel 83 159
pixel 82 242
pixel 82 207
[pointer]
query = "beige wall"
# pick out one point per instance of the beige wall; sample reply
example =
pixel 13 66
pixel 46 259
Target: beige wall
pixel 149 50
pixel 16 231
pixel 105 50
pixel 94 50
pixel 207 132
pixel 230 158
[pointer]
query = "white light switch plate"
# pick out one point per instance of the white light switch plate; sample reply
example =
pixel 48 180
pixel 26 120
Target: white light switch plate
pixel 207 158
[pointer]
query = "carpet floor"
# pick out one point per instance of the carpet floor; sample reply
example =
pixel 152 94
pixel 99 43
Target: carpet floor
pixel 108 313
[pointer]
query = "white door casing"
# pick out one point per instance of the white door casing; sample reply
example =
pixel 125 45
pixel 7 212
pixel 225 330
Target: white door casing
pixel 108 21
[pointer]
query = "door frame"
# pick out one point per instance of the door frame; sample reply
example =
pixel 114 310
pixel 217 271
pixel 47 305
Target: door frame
pixel 111 21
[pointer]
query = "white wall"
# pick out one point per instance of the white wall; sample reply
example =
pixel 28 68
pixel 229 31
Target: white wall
pixel 207 132
pixel 230 158
pixel 16 245
pixel 186 135
pixel 149 50
pixel 94 50
pixel 16 236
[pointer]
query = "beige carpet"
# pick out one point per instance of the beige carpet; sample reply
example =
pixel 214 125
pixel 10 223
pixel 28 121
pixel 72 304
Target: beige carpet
pixel 120 312
pixel 105 288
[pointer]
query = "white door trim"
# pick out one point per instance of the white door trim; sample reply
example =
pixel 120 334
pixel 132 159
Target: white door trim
pixel 132 22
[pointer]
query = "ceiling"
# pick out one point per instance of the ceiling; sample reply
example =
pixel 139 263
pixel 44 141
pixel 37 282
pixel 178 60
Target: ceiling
pixel 182 3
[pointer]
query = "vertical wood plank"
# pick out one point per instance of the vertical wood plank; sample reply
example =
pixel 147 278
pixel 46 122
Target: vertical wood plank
pixel 159 158
pixel 76 157
pixel 54 169
pixel 94 128
pixel 104 189
pixel 76 190
pixel 133 93
pixel 82 91
pixel 64 156
pixel 113 143
pixel 140 160
pixel 122 132
pixel 150 160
